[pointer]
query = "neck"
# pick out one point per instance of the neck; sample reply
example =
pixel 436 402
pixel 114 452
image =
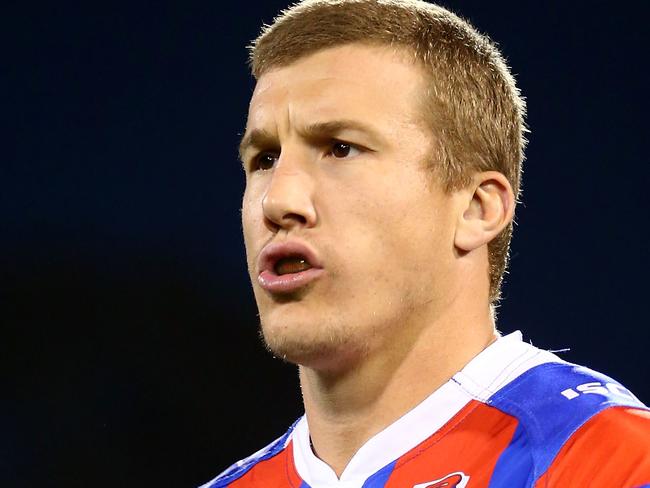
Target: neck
pixel 346 408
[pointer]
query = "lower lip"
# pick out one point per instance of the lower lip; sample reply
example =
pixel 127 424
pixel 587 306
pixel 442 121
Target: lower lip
pixel 287 283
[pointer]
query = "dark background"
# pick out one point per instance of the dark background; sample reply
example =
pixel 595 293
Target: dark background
pixel 129 353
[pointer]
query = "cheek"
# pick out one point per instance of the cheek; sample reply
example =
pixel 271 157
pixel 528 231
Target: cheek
pixel 396 232
pixel 252 222
pixel 252 213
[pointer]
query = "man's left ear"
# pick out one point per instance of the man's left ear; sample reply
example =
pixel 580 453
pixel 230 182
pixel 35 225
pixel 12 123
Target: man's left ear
pixel 488 207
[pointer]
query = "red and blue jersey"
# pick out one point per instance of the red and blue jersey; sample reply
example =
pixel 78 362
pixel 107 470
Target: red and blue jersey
pixel 515 416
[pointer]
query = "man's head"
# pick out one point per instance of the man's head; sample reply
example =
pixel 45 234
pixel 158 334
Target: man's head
pixel 470 98
pixel 428 123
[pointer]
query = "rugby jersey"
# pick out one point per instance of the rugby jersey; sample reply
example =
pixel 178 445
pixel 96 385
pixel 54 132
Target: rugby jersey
pixel 514 416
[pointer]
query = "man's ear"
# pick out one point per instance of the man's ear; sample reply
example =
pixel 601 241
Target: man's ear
pixel 487 209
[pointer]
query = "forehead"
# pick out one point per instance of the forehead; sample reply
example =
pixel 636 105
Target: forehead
pixel 377 83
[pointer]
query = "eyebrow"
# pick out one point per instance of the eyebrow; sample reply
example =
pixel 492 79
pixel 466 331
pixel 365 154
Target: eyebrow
pixel 257 138
pixel 261 138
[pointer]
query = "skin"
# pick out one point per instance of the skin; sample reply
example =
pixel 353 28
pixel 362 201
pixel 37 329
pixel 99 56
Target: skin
pixel 334 152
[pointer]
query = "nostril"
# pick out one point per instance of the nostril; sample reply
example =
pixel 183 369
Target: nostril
pixel 294 217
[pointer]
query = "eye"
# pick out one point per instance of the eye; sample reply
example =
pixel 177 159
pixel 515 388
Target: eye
pixel 342 150
pixel 264 161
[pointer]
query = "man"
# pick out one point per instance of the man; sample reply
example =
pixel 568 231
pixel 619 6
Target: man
pixel 383 154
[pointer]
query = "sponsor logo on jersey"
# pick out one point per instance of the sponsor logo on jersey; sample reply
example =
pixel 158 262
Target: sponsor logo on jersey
pixel 453 480
pixel 598 388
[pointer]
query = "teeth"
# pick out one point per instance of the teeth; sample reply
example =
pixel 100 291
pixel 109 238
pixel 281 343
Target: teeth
pixel 293 264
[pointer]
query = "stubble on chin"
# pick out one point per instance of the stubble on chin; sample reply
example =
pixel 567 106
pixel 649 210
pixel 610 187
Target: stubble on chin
pixel 311 345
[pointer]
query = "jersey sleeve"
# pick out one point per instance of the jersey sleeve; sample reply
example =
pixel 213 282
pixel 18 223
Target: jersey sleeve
pixel 611 449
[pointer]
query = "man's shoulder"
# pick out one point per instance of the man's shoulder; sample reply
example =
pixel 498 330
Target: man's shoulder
pixel 557 387
pixel 559 404
pixel 241 468
pixel 611 449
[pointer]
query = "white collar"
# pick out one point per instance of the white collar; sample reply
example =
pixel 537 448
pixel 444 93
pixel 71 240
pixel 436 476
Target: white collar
pixel 493 368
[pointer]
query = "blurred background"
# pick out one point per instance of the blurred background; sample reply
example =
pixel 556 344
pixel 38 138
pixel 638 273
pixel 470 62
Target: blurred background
pixel 129 353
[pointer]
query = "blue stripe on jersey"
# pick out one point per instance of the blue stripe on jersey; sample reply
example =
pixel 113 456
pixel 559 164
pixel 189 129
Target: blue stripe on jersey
pixel 379 479
pixel 552 401
pixel 240 468
pixel 515 465
pixel 304 485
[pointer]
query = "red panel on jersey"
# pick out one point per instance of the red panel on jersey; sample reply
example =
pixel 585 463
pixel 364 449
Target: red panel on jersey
pixel 471 443
pixel 276 472
pixel 611 449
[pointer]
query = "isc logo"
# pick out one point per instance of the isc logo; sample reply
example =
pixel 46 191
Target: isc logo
pixel 598 388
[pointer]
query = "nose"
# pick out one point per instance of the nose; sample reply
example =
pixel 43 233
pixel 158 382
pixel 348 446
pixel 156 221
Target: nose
pixel 288 201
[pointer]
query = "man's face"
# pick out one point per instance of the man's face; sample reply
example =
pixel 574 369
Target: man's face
pixel 349 237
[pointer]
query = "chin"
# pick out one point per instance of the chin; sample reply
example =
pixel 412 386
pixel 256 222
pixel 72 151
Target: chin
pixel 310 344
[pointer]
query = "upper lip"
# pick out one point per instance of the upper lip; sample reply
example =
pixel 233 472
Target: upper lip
pixel 273 252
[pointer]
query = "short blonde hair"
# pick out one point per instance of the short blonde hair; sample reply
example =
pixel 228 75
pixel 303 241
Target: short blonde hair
pixel 472 103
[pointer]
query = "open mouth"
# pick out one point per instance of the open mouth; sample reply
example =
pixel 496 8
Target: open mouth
pixel 286 267
pixel 291 264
